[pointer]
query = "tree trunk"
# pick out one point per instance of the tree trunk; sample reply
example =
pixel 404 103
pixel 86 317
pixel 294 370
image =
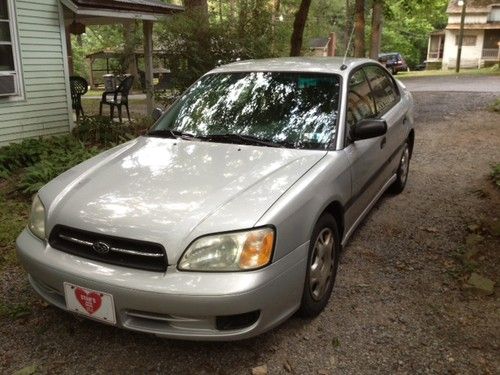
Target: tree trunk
pixel 377 23
pixel 359 29
pixel 348 25
pixel 130 64
pixel 198 5
pixel 243 10
pixel 298 27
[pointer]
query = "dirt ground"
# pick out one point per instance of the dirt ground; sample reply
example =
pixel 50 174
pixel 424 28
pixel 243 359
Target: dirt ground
pixel 399 305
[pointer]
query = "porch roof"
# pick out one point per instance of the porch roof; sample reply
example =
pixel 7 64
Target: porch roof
pixel 112 10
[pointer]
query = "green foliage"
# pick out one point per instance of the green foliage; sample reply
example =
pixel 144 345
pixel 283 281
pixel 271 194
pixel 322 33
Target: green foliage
pixel 100 131
pixel 495 174
pixel 408 24
pixel 196 46
pixel 60 159
pixel 97 38
pixel 26 153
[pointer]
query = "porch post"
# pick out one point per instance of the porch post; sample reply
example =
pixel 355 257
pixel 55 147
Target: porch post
pixel 148 65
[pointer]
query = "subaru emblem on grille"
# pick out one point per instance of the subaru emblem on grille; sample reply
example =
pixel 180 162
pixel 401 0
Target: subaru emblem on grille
pixel 101 247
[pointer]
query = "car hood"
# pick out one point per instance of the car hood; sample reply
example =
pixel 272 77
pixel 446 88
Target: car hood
pixel 172 191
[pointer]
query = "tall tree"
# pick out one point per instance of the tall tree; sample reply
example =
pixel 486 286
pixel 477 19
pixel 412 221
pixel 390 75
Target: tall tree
pixel 377 22
pixel 359 28
pixel 348 24
pixel 129 46
pixel 198 5
pixel 298 27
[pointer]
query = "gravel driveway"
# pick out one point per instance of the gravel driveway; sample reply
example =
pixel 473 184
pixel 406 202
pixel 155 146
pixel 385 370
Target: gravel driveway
pixel 398 305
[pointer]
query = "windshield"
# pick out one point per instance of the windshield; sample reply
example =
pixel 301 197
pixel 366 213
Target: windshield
pixel 287 109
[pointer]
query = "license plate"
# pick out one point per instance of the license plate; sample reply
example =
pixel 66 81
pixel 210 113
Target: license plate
pixel 91 303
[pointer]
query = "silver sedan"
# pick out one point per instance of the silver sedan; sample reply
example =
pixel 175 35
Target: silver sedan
pixel 229 215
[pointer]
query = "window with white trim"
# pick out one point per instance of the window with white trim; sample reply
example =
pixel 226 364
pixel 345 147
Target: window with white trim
pixel 9 67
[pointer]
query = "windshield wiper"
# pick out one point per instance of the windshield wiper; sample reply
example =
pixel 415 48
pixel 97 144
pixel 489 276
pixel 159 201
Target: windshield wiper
pixel 244 139
pixel 169 133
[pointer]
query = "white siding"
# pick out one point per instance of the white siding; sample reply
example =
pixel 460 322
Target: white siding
pixel 471 55
pixel 44 110
pixel 469 18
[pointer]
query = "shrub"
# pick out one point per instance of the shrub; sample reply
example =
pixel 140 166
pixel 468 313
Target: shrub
pixel 30 152
pixel 40 160
pixel 102 132
pixel 51 166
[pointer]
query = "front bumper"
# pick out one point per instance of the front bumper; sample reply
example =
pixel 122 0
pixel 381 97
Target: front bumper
pixel 173 304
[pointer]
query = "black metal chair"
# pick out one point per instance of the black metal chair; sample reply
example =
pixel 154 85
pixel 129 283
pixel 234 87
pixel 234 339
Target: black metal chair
pixel 79 86
pixel 118 98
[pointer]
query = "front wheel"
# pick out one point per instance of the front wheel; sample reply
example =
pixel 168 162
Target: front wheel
pixel 402 173
pixel 322 263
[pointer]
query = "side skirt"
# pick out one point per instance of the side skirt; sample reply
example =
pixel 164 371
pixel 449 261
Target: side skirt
pixel 367 209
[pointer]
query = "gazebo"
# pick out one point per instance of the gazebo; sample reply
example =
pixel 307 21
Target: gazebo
pixel 105 56
pixel 80 13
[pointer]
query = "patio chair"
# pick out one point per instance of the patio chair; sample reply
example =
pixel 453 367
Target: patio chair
pixel 79 87
pixel 118 98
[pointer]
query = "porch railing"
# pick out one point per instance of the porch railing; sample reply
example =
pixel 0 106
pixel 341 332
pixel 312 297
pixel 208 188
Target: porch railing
pixel 490 53
pixel 435 54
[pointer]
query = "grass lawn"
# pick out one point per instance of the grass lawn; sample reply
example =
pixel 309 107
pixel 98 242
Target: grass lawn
pixel 494 70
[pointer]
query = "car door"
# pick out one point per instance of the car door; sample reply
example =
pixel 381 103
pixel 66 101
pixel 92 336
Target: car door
pixel 388 107
pixel 366 157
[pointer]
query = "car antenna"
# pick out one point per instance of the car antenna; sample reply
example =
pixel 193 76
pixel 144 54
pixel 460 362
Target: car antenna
pixel 344 66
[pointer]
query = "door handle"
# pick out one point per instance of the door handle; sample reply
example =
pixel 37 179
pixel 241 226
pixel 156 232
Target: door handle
pixel 382 142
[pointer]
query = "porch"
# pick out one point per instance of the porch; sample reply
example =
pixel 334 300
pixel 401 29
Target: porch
pixel 78 14
pixel 491 45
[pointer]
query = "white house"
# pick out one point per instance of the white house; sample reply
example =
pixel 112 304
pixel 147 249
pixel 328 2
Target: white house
pixel 35 58
pixel 480 46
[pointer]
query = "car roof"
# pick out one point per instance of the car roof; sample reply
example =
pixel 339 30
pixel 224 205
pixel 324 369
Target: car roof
pixel 295 64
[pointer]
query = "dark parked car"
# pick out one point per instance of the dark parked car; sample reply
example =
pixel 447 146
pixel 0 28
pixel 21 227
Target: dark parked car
pixel 393 61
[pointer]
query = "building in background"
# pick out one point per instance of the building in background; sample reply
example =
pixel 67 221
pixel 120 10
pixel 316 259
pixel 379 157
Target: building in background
pixel 481 39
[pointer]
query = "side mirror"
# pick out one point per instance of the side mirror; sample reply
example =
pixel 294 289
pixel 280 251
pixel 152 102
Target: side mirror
pixel 369 128
pixel 156 114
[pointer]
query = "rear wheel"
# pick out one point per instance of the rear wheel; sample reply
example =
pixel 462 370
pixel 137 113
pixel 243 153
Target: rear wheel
pixel 402 173
pixel 322 263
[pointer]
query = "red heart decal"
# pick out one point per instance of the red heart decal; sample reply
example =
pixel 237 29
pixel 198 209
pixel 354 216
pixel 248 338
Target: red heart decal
pixel 91 302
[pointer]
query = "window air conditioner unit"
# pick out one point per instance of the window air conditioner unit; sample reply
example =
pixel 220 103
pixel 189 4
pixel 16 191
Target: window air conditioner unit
pixel 7 84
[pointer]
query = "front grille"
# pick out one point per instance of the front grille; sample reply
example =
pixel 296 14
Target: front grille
pixel 109 249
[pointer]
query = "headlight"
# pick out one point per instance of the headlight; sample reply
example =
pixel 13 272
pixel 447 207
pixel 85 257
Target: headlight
pixel 235 251
pixel 37 218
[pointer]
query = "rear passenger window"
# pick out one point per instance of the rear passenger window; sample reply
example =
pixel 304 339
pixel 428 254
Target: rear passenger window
pixel 360 101
pixel 384 91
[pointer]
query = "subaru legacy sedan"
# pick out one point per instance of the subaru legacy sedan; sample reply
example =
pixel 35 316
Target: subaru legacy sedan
pixel 229 215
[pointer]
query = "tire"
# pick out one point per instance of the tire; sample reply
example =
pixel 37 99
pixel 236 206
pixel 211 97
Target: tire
pixel 394 71
pixel 402 174
pixel 318 288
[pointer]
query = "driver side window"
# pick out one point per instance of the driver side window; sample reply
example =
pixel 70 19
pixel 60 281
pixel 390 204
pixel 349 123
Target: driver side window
pixel 360 103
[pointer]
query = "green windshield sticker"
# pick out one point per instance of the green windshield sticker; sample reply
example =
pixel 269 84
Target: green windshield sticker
pixel 308 82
